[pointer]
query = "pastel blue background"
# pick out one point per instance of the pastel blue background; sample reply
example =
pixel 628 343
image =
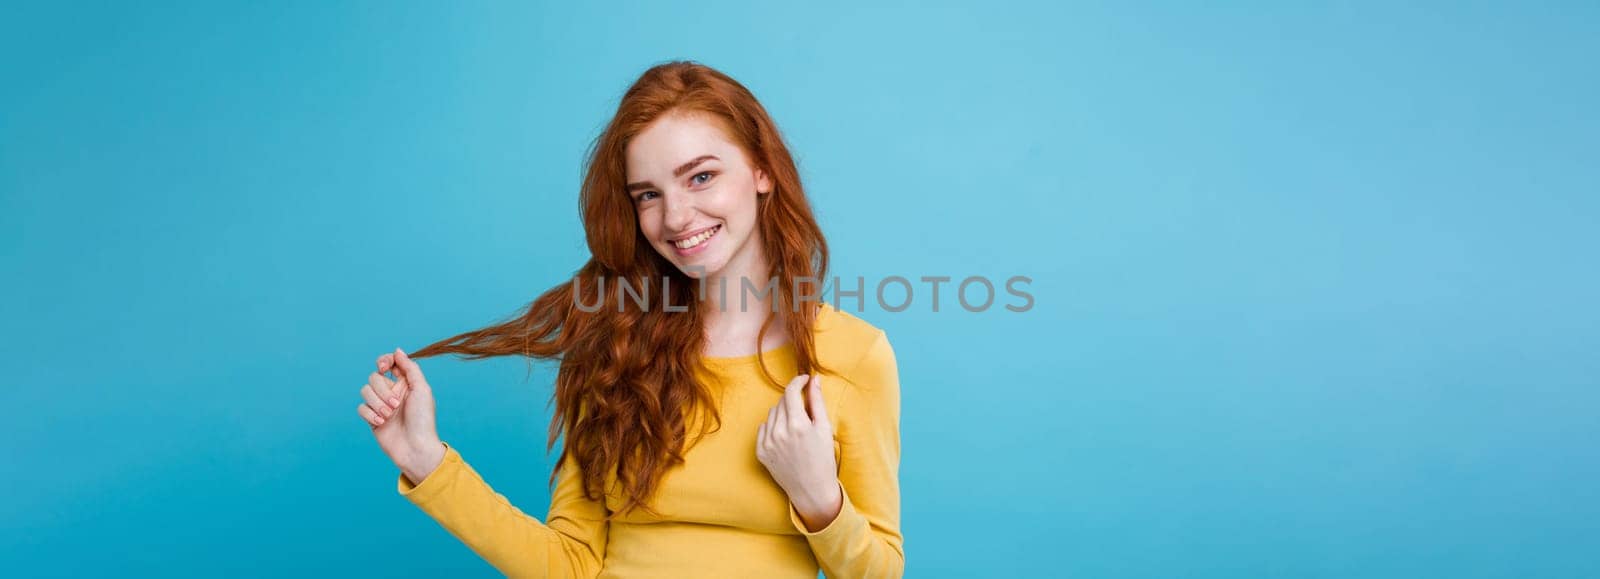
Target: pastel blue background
pixel 1315 284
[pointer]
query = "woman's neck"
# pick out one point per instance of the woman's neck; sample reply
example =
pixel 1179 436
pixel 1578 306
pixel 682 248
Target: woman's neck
pixel 739 299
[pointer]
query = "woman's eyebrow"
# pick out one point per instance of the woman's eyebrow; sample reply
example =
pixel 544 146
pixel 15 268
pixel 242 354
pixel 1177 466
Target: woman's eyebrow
pixel 684 168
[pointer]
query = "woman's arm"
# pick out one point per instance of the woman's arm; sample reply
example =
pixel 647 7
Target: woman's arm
pixel 864 540
pixel 571 543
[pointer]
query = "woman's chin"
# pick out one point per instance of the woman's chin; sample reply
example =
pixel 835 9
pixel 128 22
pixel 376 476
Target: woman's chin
pixel 700 268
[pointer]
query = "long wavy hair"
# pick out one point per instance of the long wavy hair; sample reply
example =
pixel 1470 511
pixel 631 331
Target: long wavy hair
pixel 627 385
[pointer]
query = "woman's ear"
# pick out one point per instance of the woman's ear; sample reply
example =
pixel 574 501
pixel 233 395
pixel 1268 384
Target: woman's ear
pixel 763 184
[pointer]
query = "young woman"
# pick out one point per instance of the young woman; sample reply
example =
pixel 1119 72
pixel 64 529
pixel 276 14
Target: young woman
pixel 718 427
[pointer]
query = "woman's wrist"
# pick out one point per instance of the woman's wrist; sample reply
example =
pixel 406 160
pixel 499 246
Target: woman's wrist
pixel 423 461
pixel 818 510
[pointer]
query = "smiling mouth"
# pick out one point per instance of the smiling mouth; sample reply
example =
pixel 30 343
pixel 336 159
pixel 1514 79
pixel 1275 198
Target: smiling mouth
pixel 698 239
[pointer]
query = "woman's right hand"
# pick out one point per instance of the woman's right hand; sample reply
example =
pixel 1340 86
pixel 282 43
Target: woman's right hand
pixel 401 415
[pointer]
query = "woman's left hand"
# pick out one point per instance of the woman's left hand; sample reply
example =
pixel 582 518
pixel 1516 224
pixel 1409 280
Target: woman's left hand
pixel 797 449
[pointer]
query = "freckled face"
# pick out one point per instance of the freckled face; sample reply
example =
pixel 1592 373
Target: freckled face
pixel 695 193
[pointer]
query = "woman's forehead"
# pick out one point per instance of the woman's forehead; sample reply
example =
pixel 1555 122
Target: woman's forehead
pixel 675 139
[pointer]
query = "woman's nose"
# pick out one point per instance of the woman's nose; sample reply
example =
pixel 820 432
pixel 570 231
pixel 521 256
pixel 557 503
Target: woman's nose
pixel 679 214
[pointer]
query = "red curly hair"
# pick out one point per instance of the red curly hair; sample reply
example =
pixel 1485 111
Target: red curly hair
pixel 627 383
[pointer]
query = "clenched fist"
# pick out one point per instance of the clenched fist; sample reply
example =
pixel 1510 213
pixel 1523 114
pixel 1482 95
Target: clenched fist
pixel 401 415
pixel 797 449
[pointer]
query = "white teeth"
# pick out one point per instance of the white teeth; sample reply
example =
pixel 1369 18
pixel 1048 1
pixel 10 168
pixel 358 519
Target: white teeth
pixel 698 239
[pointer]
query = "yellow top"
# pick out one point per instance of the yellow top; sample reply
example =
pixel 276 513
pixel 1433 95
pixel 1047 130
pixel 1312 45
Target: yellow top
pixel 720 514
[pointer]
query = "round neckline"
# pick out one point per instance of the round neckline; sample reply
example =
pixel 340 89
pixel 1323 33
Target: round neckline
pixel 823 310
pixel 747 358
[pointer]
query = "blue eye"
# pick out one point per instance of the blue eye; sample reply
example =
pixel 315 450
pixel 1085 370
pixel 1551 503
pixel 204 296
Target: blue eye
pixel 645 196
pixel 706 174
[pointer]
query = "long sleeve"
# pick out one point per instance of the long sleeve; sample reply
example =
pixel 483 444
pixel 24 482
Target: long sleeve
pixel 864 540
pixel 572 544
